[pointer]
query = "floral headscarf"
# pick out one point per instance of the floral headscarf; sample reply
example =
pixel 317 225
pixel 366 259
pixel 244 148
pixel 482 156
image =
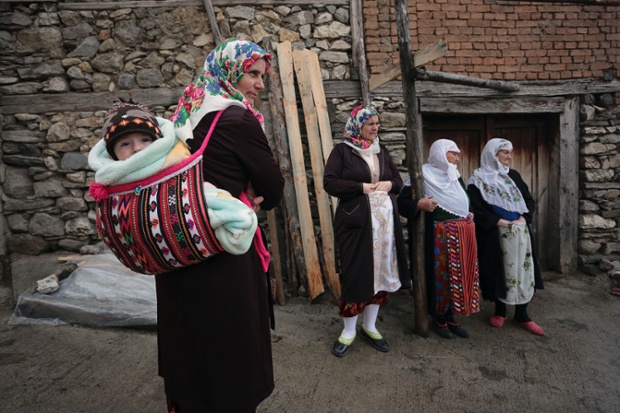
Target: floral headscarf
pixel 441 179
pixel 216 87
pixel 353 130
pixel 493 182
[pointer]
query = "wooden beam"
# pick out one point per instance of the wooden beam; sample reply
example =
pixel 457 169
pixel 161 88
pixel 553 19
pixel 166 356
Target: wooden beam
pixel 85 102
pixel 423 74
pixel 213 22
pixel 414 165
pixel 61 102
pixel 176 3
pixel 578 2
pixel 499 105
pixel 420 58
pixel 313 267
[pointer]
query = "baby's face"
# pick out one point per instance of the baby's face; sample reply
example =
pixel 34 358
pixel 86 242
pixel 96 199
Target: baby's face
pixel 129 145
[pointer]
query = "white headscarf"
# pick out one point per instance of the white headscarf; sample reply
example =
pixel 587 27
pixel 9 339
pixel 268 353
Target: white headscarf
pixel 496 187
pixel 441 179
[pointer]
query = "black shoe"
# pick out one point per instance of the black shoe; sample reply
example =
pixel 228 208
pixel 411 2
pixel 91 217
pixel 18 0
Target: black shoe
pixel 340 349
pixel 455 328
pixel 441 329
pixel 378 343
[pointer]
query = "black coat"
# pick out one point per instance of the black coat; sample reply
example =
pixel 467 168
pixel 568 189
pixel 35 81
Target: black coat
pixel 345 172
pixel 213 318
pixel 491 264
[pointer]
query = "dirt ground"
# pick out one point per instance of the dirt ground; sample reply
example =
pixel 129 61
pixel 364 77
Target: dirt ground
pixel 574 368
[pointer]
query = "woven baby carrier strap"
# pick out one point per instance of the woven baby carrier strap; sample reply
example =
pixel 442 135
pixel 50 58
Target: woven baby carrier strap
pixel 160 224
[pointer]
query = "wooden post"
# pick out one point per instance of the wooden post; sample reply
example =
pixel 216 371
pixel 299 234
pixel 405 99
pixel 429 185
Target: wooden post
pixel 277 263
pixel 313 266
pixel 289 210
pixel 414 164
pixel 213 22
pixel 359 51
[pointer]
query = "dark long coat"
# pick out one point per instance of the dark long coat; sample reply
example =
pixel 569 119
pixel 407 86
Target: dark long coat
pixel 213 318
pixel 490 260
pixel 345 172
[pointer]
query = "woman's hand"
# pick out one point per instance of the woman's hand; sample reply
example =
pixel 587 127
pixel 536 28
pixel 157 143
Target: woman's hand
pixel 255 201
pixel 427 204
pixel 503 223
pixel 521 219
pixel 379 186
pixel 368 188
pixel 470 217
pixel 383 186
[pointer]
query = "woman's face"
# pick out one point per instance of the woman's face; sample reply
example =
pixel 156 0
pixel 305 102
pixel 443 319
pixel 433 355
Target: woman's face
pixel 370 129
pixel 504 156
pixel 251 83
pixel 453 157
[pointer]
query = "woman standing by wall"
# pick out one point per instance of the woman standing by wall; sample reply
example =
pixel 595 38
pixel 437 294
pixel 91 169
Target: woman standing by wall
pixel 361 174
pixel 503 206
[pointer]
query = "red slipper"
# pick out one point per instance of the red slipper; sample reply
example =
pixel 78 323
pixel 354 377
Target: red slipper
pixel 532 327
pixel 497 321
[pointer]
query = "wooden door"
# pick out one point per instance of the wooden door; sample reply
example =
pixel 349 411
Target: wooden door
pixel 531 155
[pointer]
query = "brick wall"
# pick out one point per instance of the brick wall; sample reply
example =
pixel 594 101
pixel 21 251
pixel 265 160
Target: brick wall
pixel 508 41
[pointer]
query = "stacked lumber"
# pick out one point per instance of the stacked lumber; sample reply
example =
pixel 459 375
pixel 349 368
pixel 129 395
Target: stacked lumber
pixel 313 255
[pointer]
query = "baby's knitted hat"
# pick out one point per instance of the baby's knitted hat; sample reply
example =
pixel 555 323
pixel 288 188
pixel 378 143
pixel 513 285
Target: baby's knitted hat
pixel 127 117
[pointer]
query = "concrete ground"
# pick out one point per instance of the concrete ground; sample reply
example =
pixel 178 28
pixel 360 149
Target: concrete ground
pixel 574 368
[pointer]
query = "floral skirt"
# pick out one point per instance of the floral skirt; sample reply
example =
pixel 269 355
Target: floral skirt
pixel 518 263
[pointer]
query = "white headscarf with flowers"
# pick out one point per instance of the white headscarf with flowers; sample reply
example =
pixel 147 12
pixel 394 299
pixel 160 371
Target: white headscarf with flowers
pixel 441 179
pixel 493 182
pixel 216 87
pixel 352 135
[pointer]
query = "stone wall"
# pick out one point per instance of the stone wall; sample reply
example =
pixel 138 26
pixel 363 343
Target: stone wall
pixel 599 197
pixel 45 49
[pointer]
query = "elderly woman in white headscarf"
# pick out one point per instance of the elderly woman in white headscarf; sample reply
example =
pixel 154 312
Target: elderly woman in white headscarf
pixel 503 204
pixel 450 244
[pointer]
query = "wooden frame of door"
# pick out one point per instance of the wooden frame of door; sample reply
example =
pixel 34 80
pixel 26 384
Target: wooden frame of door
pixel 564 155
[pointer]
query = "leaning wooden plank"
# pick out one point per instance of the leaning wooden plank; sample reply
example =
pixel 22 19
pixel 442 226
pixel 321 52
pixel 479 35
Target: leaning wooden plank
pixel 316 158
pixel 289 208
pixel 313 267
pixel 429 54
pixel 318 94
